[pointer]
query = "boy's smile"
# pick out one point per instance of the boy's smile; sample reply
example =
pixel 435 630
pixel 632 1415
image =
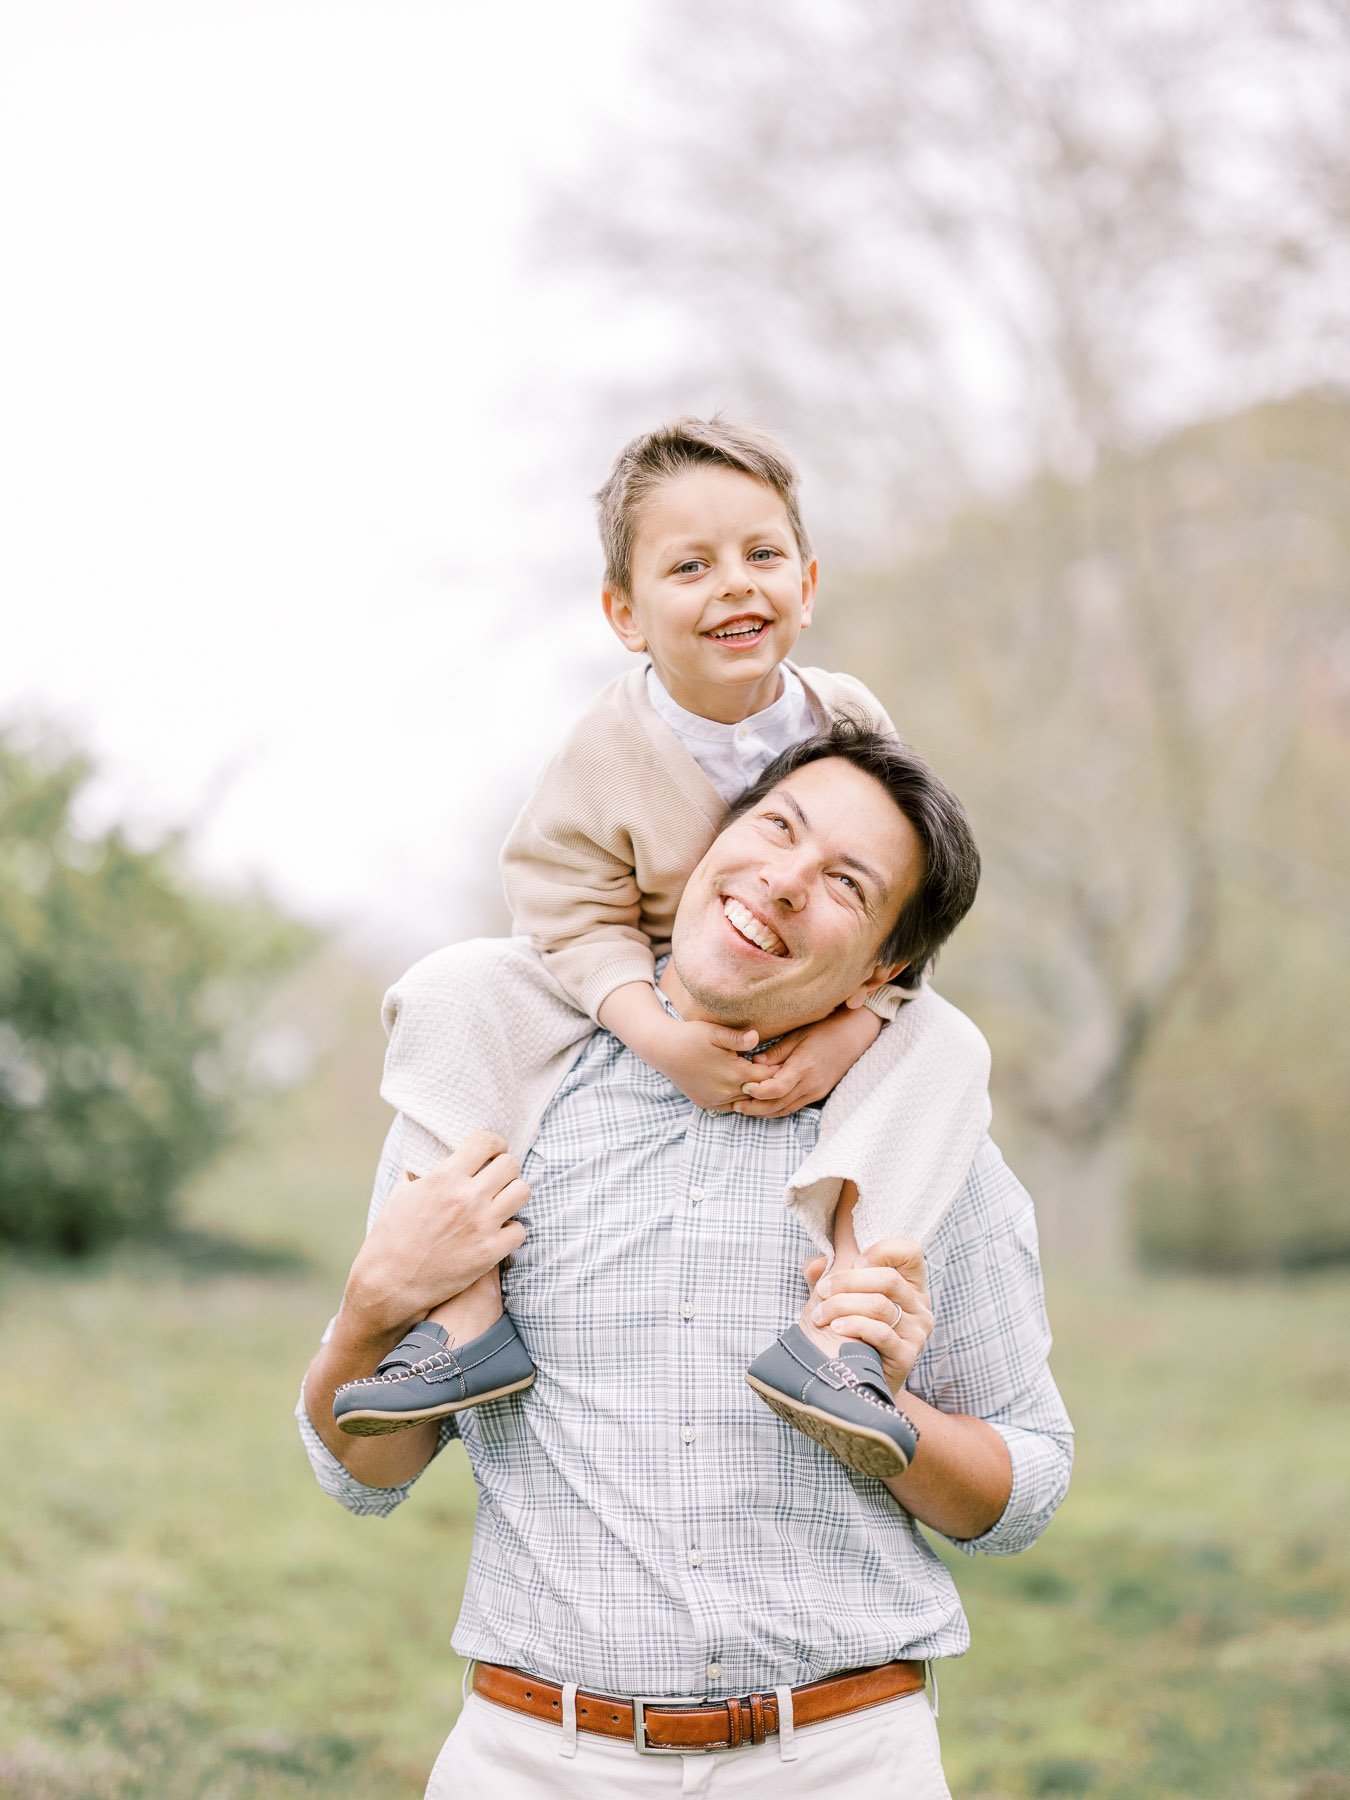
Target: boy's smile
pixel 717 593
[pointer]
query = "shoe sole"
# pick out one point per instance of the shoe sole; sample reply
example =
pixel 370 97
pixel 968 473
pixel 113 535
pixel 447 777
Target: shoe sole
pixel 369 1423
pixel 868 1452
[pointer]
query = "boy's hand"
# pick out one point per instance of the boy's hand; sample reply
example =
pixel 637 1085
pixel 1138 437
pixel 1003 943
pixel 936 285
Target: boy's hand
pixel 804 1066
pixel 702 1060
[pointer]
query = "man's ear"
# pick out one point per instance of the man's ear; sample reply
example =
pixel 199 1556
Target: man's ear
pixel 619 611
pixel 883 973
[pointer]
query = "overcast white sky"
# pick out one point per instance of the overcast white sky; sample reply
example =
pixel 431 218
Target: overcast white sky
pixel 275 387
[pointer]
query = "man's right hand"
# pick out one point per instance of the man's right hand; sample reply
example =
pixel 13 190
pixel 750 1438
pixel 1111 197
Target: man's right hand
pixel 436 1236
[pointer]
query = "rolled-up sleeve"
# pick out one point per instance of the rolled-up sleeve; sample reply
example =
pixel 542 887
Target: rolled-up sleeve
pixel 332 1477
pixel 989 1353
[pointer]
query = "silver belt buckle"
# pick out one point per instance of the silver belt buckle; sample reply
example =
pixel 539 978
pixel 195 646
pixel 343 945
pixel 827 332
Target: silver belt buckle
pixel 640 1703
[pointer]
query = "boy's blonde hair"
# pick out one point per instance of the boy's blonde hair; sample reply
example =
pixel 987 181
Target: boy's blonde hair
pixel 688 443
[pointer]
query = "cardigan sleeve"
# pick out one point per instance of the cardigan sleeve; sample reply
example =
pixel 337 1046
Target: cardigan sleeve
pixel 572 888
pixel 594 866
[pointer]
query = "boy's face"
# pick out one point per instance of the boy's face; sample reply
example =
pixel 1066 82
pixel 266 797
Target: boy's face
pixel 718 595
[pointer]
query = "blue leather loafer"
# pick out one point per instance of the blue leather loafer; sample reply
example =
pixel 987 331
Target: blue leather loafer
pixel 425 1377
pixel 841 1401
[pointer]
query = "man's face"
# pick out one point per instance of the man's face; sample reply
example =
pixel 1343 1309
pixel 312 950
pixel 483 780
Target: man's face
pixel 784 918
pixel 718 596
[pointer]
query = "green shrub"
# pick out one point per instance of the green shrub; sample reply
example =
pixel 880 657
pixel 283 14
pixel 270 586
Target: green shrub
pixel 127 1008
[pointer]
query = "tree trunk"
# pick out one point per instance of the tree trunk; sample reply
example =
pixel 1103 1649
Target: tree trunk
pixel 1080 1188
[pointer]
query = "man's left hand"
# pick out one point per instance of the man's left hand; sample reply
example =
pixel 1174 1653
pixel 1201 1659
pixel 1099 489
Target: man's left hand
pixel 862 1302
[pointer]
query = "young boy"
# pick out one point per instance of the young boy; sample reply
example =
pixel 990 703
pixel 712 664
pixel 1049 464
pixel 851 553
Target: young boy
pixel 710 577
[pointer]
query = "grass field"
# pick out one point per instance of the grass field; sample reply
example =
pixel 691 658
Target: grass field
pixel 182 1613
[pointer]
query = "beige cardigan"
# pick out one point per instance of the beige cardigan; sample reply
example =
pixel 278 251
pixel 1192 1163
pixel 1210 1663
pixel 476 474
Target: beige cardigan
pixel 595 864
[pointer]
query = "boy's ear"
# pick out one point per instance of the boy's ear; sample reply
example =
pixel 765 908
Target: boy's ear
pixel 619 611
pixel 877 979
pixel 809 580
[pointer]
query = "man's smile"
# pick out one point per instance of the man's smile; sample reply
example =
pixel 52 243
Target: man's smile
pixel 751 927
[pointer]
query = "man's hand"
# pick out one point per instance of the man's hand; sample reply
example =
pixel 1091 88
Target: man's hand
pixel 807 1064
pixel 436 1236
pixel 960 1480
pixel 861 1302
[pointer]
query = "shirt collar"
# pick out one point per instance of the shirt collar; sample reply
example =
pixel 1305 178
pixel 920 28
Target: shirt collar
pixel 689 724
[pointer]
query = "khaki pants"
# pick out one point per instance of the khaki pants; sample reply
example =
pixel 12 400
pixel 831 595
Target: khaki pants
pixel 890 1750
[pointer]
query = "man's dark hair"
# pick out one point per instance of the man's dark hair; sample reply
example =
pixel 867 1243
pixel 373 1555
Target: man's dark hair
pixel 951 860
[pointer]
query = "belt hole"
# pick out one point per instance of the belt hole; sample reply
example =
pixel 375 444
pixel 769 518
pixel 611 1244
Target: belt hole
pixel 528 1694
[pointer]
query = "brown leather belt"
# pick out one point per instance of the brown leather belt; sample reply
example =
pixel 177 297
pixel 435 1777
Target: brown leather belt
pixel 675 1728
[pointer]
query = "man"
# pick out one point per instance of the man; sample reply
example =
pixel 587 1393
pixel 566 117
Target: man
pixel 647 1528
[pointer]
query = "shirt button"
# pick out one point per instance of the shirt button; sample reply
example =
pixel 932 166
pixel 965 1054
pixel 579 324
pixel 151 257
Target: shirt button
pixel 688 1434
pixel 686 1309
pixel 714 1671
pixel 695 1558
pixel 696 1194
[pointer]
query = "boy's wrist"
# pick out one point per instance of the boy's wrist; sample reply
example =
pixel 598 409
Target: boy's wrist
pixel 635 1016
pixel 658 1042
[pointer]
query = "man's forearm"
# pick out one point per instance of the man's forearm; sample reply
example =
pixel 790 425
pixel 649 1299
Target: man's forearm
pixel 433 1239
pixel 352 1352
pixel 961 1476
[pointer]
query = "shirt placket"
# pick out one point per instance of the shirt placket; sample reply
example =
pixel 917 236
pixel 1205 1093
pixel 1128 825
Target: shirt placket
pixel 695 1243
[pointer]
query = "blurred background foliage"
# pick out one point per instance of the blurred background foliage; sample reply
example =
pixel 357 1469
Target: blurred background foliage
pixel 1055 310
pixel 130 1008
pixel 1051 304
pixel 1133 682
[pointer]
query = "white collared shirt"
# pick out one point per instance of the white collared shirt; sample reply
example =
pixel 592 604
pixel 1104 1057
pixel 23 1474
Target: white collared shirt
pixel 734 756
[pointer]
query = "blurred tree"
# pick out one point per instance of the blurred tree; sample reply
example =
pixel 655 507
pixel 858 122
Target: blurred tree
pixel 127 1005
pixel 947 245
pixel 957 252
pixel 1137 682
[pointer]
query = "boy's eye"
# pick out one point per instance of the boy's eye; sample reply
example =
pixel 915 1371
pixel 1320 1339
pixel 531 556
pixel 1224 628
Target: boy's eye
pixel 764 554
pixel 690 567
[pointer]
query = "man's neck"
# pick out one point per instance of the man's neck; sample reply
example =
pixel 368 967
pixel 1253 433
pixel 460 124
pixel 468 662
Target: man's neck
pixel 669 984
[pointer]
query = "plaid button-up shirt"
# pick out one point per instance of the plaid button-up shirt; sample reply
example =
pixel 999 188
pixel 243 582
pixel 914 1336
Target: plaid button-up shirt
pixel 645 1523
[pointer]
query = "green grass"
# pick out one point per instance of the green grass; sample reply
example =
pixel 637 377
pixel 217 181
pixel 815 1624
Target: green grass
pixel 183 1613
